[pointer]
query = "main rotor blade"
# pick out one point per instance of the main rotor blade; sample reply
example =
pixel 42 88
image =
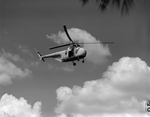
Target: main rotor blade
pixel 60 46
pixel 97 43
pixel 65 28
pixel 107 42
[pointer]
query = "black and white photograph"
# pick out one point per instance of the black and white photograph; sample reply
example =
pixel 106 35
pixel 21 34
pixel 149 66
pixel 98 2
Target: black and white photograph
pixel 74 58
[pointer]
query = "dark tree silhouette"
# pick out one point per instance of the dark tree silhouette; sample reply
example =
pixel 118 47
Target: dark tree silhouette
pixel 123 5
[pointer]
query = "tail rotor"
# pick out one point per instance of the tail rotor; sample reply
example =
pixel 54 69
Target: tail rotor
pixel 40 56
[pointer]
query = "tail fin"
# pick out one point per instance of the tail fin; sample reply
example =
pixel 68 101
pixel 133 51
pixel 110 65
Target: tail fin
pixel 40 56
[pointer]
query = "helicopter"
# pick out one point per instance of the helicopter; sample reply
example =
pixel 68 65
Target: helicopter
pixel 73 53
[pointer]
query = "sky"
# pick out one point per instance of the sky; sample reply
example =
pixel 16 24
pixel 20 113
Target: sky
pixel 113 81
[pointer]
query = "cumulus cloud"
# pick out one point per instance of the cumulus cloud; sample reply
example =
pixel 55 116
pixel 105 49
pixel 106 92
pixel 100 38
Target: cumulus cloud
pixel 106 115
pixel 120 92
pixel 14 57
pixel 128 72
pixel 97 53
pixel 10 106
pixel 9 71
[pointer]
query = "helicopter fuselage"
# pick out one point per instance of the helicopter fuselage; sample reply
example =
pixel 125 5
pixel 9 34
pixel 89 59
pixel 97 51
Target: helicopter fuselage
pixel 76 53
pixel 69 55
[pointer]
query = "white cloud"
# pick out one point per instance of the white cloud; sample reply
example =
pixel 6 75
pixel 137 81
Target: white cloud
pixel 13 107
pixel 64 93
pixel 106 115
pixel 9 71
pixel 119 93
pixel 14 57
pixel 96 53
pixel 17 58
pixel 128 72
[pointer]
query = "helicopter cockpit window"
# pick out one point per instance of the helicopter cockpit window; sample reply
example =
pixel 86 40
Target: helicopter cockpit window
pixel 66 53
pixel 70 51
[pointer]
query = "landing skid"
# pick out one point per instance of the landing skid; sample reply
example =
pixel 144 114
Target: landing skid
pixel 74 64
